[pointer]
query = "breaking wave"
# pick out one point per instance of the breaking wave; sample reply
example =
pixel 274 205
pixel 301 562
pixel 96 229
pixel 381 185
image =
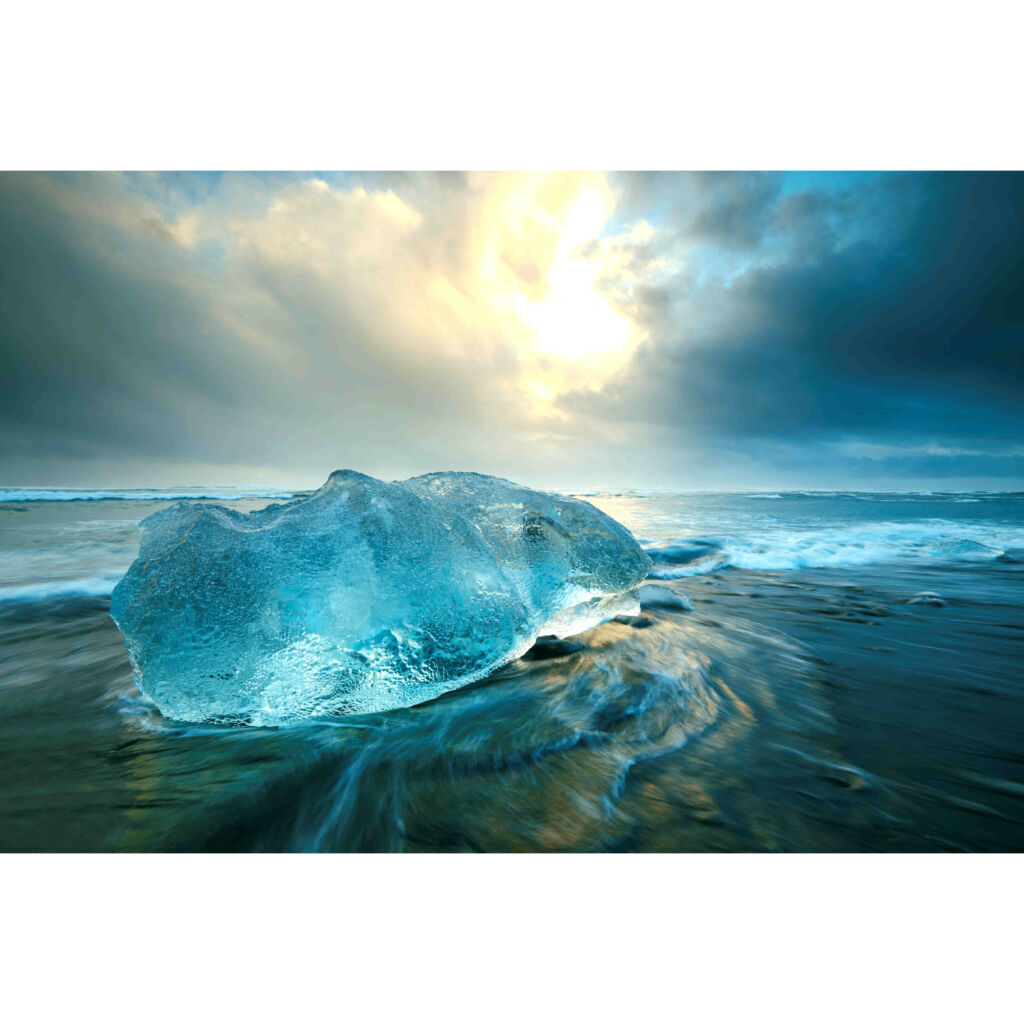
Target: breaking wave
pixel 859 544
pixel 58 590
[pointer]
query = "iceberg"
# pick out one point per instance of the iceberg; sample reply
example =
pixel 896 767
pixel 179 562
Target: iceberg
pixel 364 596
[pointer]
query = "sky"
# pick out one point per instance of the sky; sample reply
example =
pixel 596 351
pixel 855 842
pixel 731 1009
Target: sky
pixel 731 331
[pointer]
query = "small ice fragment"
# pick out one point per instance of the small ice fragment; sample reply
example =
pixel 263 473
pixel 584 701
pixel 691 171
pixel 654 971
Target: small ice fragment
pixel 665 598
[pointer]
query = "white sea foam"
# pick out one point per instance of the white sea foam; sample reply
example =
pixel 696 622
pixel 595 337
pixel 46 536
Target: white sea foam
pixel 56 590
pixel 824 547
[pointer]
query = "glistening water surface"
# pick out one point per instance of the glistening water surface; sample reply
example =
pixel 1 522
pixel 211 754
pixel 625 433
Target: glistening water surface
pixel 849 679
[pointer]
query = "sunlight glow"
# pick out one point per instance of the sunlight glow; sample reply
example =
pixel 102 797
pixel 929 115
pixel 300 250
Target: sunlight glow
pixel 573 321
pixel 526 285
pixel 543 260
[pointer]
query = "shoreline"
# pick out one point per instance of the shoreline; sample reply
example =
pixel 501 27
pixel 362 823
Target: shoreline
pixel 894 726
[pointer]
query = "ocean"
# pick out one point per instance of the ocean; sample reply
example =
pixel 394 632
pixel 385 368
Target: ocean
pixel 849 679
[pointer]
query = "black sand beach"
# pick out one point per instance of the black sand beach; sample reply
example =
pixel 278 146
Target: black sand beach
pixel 811 710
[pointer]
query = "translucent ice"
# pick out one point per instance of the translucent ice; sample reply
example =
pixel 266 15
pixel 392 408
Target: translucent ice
pixel 364 596
pixel 651 595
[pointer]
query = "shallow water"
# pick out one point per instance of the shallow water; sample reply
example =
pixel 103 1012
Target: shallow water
pixel 804 704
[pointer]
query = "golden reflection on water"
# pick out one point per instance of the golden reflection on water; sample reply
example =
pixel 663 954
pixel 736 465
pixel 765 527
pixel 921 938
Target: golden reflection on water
pixel 696 731
pixel 549 754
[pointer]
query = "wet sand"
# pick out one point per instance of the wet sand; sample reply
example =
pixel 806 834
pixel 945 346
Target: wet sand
pixel 816 710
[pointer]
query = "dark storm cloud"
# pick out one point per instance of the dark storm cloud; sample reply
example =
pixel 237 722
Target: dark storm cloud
pixel 728 208
pixel 912 333
pixel 108 343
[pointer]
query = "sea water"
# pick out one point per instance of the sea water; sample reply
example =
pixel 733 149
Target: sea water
pixel 813 699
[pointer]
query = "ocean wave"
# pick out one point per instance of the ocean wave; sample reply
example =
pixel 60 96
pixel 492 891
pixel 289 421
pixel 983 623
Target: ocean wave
pixel 57 590
pixel 691 556
pixel 10 494
pixel 858 544
pixel 958 497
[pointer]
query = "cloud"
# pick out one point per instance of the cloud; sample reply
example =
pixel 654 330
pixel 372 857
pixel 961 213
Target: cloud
pixel 302 323
pixel 893 309
pixel 574 329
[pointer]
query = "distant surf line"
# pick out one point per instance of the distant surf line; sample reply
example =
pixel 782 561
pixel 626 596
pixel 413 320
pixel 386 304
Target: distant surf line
pixel 69 494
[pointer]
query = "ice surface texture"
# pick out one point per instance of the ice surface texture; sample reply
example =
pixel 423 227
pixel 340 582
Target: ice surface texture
pixel 364 596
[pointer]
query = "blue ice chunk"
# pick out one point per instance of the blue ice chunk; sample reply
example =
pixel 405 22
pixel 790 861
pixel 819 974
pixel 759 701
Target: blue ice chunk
pixel 364 596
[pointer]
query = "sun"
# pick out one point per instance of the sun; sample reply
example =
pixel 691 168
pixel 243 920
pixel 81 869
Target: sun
pixel 573 321
pixel 546 260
